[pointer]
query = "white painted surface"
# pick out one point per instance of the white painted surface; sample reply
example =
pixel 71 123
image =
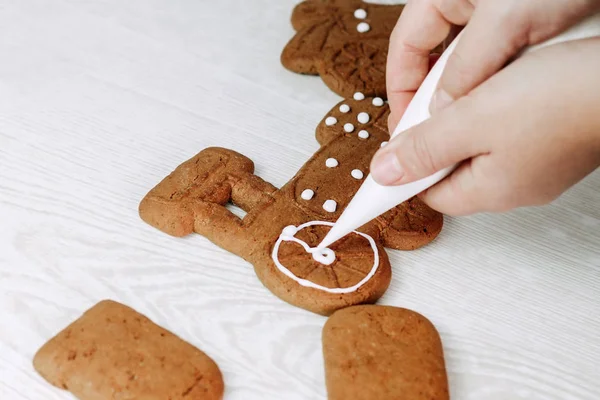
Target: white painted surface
pixel 99 100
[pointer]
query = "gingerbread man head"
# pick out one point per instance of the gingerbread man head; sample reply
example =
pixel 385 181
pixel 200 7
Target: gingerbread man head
pixel 282 227
pixel 343 41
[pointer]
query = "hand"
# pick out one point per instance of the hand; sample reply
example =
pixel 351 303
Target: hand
pixel 527 134
pixel 496 31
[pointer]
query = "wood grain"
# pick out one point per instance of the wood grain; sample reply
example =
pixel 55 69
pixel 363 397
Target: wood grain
pixel 100 99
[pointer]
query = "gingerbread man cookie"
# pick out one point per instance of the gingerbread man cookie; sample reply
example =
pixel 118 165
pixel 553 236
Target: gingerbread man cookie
pixel 282 227
pixel 343 41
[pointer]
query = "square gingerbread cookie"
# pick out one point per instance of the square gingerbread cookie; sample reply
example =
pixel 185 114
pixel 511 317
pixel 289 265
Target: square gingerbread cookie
pixel 383 352
pixel 113 352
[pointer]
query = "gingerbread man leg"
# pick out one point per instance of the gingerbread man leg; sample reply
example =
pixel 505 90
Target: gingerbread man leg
pixel 251 192
pixel 193 198
pixel 410 225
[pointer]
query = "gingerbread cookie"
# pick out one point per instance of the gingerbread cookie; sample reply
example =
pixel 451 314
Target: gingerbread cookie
pixel 113 352
pixel 380 352
pixel 282 226
pixel 343 41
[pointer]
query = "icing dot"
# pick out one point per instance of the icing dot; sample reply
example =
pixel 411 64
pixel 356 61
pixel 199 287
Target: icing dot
pixel 330 206
pixel 344 108
pixel 324 256
pixel 307 194
pixel 348 127
pixel 363 134
pixel 331 121
pixel 363 117
pixel 363 27
pixel 357 174
pixel 331 163
pixel 383 143
pixel 289 231
pixel 377 101
pixel 359 96
pixel 360 14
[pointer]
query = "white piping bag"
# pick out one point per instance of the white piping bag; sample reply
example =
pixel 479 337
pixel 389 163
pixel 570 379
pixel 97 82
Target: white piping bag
pixel 372 199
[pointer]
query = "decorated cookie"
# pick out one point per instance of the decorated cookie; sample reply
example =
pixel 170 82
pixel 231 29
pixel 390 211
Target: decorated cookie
pixel 380 352
pixel 343 41
pixel 282 227
pixel 113 352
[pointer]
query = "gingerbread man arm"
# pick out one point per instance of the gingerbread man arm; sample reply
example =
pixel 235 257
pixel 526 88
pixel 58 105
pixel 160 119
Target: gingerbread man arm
pixel 302 52
pixel 410 225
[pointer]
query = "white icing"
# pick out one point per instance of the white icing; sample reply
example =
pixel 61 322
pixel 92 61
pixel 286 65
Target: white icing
pixel 360 14
pixel 383 143
pixel 330 206
pixel 307 194
pixel 359 96
pixel 324 256
pixel 377 101
pixel 349 127
pixel 331 163
pixel 357 174
pixel 344 108
pixel 330 121
pixel 363 117
pixel 289 231
pixel 363 134
pixel 363 27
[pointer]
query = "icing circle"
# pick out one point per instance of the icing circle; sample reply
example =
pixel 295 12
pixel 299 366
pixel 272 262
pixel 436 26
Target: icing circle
pixel 289 231
pixel 330 206
pixel 344 108
pixel 383 144
pixel 363 27
pixel 358 96
pixel 377 101
pixel 324 256
pixel 307 194
pixel 360 14
pixel 349 127
pixel 363 118
pixel 331 163
pixel 329 121
pixel 357 174
pixel 363 134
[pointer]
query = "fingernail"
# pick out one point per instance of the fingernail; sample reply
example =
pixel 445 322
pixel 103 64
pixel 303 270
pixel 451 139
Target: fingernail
pixel 386 169
pixel 441 99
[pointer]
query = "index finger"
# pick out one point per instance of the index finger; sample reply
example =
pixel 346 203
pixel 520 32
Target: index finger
pixel 422 26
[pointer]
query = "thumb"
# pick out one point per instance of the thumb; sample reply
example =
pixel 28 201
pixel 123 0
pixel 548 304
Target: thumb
pixel 443 140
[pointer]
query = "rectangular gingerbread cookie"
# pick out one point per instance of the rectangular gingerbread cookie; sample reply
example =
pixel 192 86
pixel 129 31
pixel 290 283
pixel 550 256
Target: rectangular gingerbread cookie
pixel 383 352
pixel 113 352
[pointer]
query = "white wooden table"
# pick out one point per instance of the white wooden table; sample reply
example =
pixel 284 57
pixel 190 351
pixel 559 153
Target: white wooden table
pixel 99 100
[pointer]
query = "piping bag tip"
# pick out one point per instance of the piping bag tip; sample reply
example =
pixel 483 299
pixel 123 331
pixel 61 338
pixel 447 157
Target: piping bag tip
pixel 372 200
pixel 362 209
